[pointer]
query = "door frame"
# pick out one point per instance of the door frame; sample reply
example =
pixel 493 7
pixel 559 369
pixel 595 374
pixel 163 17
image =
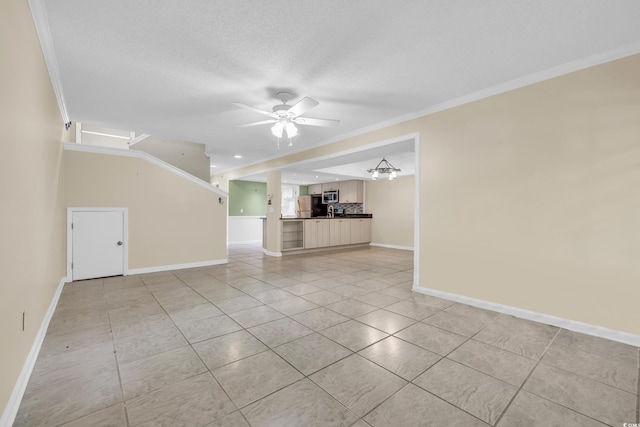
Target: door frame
pixel 125 234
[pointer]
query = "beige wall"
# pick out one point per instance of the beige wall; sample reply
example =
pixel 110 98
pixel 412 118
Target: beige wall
pixel 531 198
pixel 171 220
pixel 32 220
pixel 392 206
pixel 185 155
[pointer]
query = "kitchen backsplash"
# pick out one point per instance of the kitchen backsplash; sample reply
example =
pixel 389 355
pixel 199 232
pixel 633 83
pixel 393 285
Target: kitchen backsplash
pixel 348 208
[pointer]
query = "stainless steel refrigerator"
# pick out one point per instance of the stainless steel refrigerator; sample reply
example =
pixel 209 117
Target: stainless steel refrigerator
pixel 311 206
pixel 304 207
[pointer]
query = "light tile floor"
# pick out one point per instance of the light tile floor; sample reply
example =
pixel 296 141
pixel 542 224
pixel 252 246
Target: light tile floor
pixel 326 339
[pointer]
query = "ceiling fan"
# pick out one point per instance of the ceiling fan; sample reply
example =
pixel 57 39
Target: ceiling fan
pixel 285 116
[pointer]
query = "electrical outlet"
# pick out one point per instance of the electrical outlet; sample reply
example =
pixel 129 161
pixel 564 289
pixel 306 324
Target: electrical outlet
pixel 241 210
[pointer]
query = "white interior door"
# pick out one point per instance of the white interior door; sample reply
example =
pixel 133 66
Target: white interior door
pixel 98 244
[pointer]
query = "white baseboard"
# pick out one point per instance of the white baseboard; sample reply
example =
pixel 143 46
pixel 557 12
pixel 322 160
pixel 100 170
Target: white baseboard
pixel 382 245
pixel 177 266
pixel 11 410
pixel 277 254
pixel 572 325
pixel 246 242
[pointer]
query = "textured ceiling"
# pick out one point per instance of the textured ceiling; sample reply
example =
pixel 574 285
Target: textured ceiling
pixel 173 68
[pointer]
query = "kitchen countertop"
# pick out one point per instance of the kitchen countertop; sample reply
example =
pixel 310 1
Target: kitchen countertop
pixel 348 216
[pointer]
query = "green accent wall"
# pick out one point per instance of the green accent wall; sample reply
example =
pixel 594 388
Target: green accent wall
pixel 304 190
pixel 248 196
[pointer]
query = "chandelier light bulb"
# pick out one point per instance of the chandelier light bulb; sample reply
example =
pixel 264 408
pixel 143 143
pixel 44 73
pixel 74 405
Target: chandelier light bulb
pixel 291 129
pixel 277 130
pixel 375 175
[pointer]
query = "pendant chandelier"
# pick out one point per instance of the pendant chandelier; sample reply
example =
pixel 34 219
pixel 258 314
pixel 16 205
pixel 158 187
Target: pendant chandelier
pixel 384 167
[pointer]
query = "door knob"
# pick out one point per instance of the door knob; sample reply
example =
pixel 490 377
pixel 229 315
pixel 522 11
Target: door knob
pixel 119 243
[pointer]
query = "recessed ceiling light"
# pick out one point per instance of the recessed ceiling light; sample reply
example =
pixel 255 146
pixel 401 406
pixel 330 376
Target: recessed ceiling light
pixel 238 156
pixel 336 179
pixel 316 176
pixel 214 166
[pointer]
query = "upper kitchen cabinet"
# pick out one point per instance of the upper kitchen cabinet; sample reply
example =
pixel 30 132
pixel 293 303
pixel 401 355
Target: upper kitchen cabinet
pixel 315 189
pixel 351 192
pixel 331 186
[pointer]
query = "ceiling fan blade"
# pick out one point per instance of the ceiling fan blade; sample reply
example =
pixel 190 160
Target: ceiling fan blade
pixel 302 106
pixel 257 110
pixel 264 122
pixel 316 122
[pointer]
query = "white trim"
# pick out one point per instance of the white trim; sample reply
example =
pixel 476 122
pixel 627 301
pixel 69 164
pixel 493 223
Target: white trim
pixel 11 410
pixel 573 325
pixel 144 156
pixel 383 245
pixel 416 207
pixel 276 254
pixel 136 139
pixel 125 234
pixel 108 135
pixel 158 268
pixel 78 133
pixel 41 22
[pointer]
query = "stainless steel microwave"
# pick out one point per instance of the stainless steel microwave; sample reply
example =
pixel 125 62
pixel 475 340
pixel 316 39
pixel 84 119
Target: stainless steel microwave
pixel 330 197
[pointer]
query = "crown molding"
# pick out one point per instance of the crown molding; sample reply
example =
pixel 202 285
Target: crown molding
pixel 39 14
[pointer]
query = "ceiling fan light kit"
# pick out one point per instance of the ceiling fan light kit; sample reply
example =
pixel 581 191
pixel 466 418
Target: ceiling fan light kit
pixel 384 167
pixel 285 116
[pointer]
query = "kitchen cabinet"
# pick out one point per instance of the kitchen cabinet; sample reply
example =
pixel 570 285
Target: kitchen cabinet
pixel 351 192
pixel 339 232
pixel 360 230
pixel 292 235
pixel 315 189
pixel 331 186
pixel 316 233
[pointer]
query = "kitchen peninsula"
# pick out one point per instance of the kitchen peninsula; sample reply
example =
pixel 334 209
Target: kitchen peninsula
pixel 316 233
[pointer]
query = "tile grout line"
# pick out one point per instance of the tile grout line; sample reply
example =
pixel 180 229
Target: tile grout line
pixel 238 409
pixel 107 312
pixel 191 346
pixel 506 408
pixel 324 367
pixel 242 263
pixel 445 357
pixel 307 376
pixel 115 356
pixel 388 335
pixel 268 348
pixel 544 398
pixel 188 343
